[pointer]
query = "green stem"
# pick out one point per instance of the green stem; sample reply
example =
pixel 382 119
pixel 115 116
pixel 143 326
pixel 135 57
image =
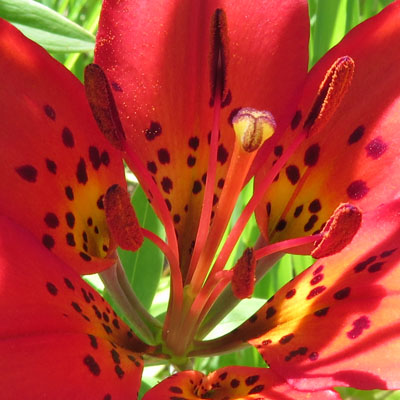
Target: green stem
pixel 117 284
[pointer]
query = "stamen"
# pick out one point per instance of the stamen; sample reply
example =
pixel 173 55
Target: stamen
pixel 244 278
pixel 121 219
pixel 218 54
pixel 330 94
pixel 338 231
pixel 104 109
pixel 253 127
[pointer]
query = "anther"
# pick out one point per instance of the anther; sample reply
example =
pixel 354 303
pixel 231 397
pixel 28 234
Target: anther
pixel 330 93
pixel 243 279
pixel 253 128
pixel 338 231
pixel 102 103
pixel 121 219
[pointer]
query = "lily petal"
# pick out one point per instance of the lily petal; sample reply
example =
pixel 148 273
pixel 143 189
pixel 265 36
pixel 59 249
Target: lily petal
pixel 355 157
pixel 55 164
pixel 157 58
pixel 231 383
pixel 58 337
pixel 337 323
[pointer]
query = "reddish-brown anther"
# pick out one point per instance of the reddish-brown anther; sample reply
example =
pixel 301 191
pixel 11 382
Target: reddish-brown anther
pixel 243 279
pixel 121 219
pixel 338 231
pixel 101 101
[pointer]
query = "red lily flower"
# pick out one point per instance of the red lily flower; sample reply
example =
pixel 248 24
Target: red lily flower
pixel 178 95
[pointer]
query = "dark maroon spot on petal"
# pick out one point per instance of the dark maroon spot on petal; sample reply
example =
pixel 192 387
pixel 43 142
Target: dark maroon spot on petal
pixel 253 318
pixel 177 218
pixel 166 184
pixel 276 177
pixel 96 311
pixel 300 351
pixel 268 208
pixel 271 311
pixel 314 206
pixel 89 221
pixel 67 138
pixel 154 131
pixel 152 167
pixel 322 312
pixel 116 86
pixel 69 284
pixel 76 307
pixel 85 256
pixel 93 341
pixel 163 156
pixel 310 223
pixel 194 142
pixel 278 150
pixel 313 356
pixel 316 279
pixel 223 376
pixel 270 299
pixel 175 389
pixel 318 270
pixel 222 154
pixel 52 289
pixel 115 323
pixel 85 295
pixel 256 389
pixel 191 161
pixel 363 264
pixel 27 172
pixel 105 158
pixel 169 205
pixel 357 190
pixel 100 204
pixel 266 342
pixel 48 241
pixel 91 363
pixel 70 239
pixel 70 218
pixel 107 396
pixel 286 339
pixel 281 225
pixel 221 183
pixel 51 166
pixel 51 220
pixel 81 173
pixel 115 356
pixel 235 383
pixel 232 115
pixel 315 292
pixel 49 111
pixel 293 174
pixel 375 148
pixel 311 155
pixel 107 329
pixel 296 120
pixel 69 193
pixel 290 293
pixel 342 294
pixel 388 253
pixel 197 187
pixel 356 135
pixel 215 199
pixel 358 326
pixel 84 236
pixel 375 267
pixel 298 211
pixel 119 371
pixel 94 157
pixel 204 178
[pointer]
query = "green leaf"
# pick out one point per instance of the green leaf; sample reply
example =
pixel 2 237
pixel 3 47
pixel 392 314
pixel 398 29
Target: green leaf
pixel 144 267
pixel 46 27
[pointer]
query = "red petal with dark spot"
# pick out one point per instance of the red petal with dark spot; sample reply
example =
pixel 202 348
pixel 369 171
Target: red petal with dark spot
pixel 59 338
pixel 55 164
